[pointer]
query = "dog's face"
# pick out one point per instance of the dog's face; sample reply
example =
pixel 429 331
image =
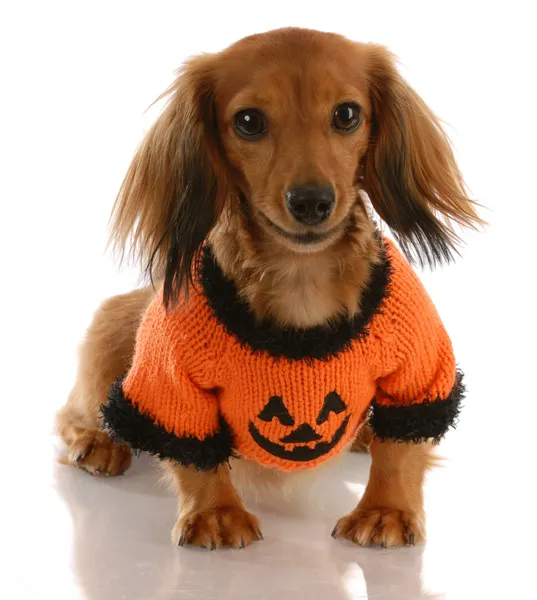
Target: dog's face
pixel 295 124
pixel 285 128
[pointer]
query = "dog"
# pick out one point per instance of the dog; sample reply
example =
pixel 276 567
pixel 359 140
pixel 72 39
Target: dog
pixel 274 151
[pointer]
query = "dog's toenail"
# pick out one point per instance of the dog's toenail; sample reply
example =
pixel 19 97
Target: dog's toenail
pixel 384 544
pixel 181 541
pixel 98 471
pixel 411 540
pixel 334 532
pixel 213 545
pixel 242 543
pixel 260 534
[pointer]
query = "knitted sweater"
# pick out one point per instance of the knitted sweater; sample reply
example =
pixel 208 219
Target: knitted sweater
pixel 207 381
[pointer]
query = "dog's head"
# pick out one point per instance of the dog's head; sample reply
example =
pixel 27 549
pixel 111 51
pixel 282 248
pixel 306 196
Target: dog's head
pixel 286 127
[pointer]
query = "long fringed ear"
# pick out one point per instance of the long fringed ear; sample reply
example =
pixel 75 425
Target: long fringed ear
pixel 176 185
pixel 409 171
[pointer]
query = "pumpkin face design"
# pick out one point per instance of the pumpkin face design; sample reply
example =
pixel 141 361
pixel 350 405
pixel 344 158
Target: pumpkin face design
pixel 308 442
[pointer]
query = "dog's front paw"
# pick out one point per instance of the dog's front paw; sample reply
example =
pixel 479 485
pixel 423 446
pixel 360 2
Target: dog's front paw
pixel 387 527
pixel 230 526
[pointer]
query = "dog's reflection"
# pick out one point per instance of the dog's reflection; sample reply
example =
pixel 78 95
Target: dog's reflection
pixel 122 549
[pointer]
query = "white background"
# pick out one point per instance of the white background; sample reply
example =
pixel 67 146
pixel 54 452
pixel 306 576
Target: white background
pixel 76 78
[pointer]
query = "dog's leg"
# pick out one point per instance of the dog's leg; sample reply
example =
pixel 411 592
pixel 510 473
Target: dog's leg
pixel 105 355
pixel 362 441
pixel 391 510
pixel 211 513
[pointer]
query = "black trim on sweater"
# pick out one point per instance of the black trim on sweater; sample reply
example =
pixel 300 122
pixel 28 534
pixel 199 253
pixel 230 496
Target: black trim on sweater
pixel 429 420
pixel 127 425
pixel 321 342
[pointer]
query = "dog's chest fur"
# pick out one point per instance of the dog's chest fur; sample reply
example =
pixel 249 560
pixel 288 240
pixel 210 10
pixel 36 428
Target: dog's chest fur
pixel 298 290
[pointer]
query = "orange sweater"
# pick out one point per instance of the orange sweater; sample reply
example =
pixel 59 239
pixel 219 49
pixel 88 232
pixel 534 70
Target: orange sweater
pixel 207 381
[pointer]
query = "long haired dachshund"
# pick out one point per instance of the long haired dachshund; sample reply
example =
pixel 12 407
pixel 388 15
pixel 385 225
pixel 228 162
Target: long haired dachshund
pixel 270 151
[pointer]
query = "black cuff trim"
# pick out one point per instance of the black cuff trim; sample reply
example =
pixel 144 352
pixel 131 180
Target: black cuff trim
pixel 127 425
pixel 429 420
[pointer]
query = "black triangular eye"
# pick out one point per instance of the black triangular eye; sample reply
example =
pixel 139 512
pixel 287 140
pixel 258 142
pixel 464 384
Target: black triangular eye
pixel 276 408
pixel 332 403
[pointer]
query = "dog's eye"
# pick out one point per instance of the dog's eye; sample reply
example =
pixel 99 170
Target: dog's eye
pixel 347 117
pixel 250 124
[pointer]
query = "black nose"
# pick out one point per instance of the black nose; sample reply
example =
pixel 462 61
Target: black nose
pixel 311 204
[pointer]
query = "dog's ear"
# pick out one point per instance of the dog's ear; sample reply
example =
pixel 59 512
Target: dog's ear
pixel 176 185
pixel 409 171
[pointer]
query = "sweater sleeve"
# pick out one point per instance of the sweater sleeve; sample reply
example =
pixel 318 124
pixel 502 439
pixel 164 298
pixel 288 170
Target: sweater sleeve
pixel 419 396
pixel 165 405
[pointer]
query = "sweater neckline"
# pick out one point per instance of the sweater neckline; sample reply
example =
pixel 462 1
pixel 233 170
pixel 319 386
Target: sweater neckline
pixel 321 342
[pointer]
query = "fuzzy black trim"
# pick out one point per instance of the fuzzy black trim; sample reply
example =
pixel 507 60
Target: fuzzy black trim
pixel 321 343
pixel 127 425
pixel 429 420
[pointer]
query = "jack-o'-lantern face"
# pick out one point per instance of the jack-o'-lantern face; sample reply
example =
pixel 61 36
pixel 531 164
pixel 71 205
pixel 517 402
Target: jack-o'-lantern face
pixel 304 435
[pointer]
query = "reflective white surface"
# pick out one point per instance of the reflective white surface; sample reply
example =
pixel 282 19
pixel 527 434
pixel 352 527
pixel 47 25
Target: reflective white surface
pixel 66 535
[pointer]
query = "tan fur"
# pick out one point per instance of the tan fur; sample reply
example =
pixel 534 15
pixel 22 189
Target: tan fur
pixel 399 157
pixel 431 172
pixel 363 440
pixel 211 513
pixel 104 355
pixel 150 191
pixel 390 512
pixel 300 290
